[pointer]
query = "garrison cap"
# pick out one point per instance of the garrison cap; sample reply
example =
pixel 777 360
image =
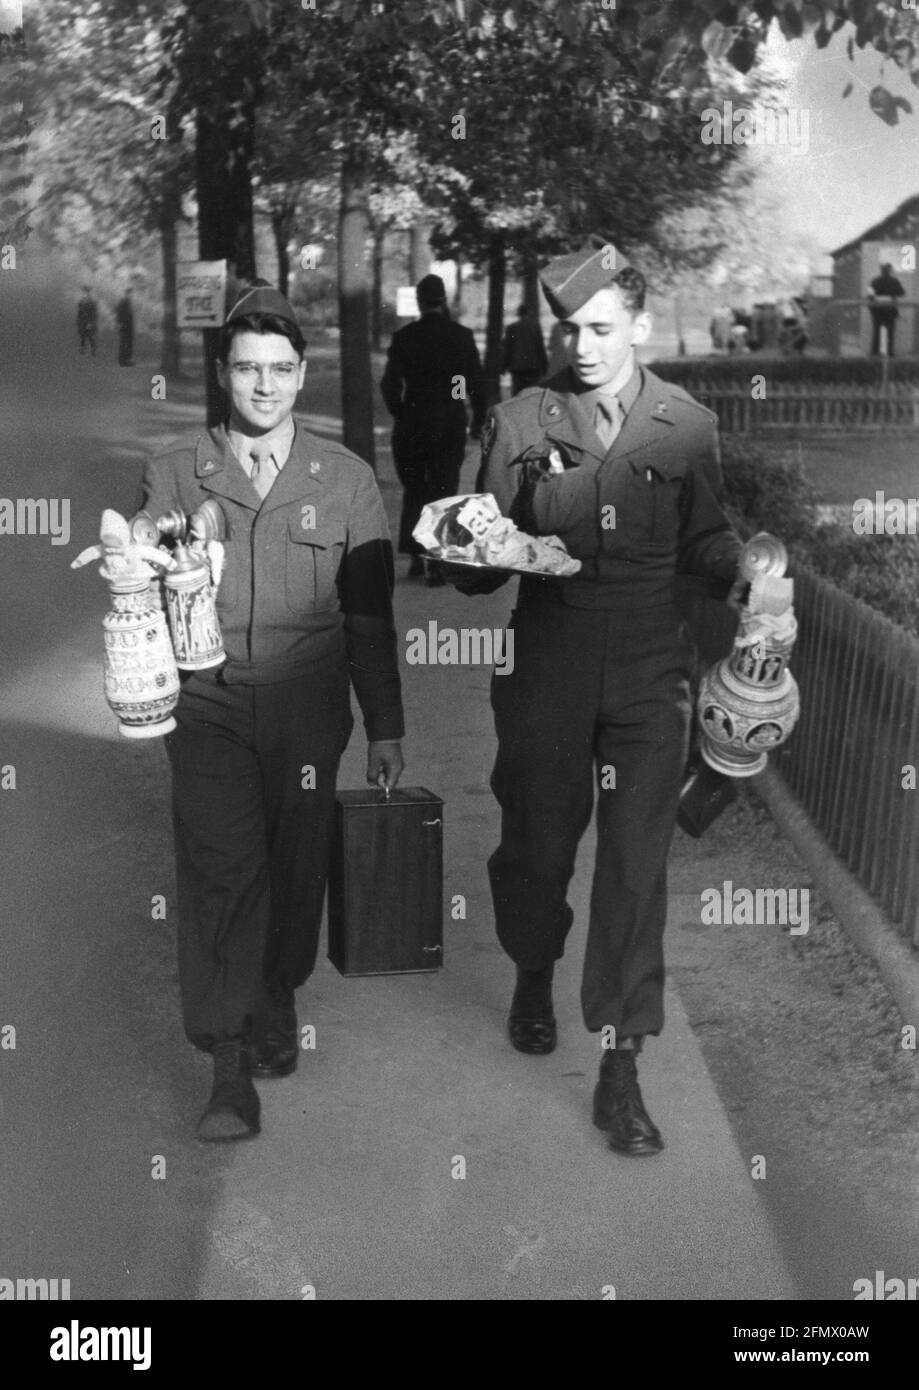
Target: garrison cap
pixel 569 281
pixel 262 299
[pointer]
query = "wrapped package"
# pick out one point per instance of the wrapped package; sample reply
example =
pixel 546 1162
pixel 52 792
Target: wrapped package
pixel 470 530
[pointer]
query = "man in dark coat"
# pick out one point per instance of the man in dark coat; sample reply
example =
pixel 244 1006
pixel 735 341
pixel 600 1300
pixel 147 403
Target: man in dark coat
pixel 885 290
pixel 523 352
pixel 625 469
pixel 87 321
pixel 124 320
pixel 432 370
pixel 305 608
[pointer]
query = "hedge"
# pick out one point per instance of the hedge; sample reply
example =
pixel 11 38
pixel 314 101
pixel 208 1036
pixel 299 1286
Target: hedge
pixel 765 492
pixel 713 373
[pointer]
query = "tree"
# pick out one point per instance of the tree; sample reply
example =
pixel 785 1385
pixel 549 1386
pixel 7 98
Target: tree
pixel 15 128
pixel 112 158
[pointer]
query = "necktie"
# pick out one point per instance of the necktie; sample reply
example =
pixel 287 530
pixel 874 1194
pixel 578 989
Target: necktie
pixel 264 471
pixel 608 419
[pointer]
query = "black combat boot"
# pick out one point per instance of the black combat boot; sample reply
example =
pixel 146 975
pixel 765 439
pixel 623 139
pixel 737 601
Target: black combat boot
pixel 619 1109
pixel 233 1109
pixel 531 1024
pixel 273 1050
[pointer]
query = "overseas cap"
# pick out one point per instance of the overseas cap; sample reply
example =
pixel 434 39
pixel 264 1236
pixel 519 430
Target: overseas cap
pixel 569 281
pixel 262 299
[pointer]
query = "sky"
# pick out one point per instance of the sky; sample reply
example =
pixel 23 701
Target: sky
pixel 855 169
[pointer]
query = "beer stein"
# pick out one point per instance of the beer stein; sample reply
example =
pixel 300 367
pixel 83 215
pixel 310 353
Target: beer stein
pixel 141 680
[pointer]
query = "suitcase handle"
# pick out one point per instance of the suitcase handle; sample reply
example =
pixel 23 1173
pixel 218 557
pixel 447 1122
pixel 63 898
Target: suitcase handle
pixel 431 822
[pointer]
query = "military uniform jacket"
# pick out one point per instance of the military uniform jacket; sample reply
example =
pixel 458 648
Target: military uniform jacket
pixel 308 571
pixel 635 515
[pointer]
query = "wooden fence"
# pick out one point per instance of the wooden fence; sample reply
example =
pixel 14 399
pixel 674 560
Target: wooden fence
pixel 808 405
pixel 856 741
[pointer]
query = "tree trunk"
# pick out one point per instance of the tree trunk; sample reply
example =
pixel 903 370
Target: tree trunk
pixel 497 275
pixel 457 305
pixel 376 329
pixel 531 285
pixel 678 324
pixel 223 186
pixel 171 351
pixel 353 317
pixel 420 253
pixel 282 226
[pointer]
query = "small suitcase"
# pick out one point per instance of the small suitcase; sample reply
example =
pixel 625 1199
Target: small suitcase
pixel 386 882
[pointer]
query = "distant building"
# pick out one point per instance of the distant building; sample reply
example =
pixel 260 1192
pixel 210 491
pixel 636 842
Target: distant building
pixel 843 327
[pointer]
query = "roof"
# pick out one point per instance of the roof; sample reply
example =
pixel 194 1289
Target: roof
pixel 881 229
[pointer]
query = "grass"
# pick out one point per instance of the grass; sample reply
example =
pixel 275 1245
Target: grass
pixel 841 468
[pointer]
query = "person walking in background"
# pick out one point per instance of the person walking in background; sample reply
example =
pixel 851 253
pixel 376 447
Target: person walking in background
pixel 886 290
pixel 87 321
pixel 432 370
pixel 720 328
pixel 124 320
pixel 523 352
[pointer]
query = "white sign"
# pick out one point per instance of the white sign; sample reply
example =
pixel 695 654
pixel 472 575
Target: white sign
pixel 10 16
pixel 406 302
pixel 200 290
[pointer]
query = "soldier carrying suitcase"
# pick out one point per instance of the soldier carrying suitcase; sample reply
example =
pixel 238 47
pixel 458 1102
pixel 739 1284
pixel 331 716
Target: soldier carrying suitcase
pixel 305 607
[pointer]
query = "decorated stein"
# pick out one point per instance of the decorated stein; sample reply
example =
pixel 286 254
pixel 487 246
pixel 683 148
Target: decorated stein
pixel 748 703
pixel 193 622
pixel 141 680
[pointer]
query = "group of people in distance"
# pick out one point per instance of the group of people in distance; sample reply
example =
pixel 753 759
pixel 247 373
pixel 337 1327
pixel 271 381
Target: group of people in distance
pixel 88 325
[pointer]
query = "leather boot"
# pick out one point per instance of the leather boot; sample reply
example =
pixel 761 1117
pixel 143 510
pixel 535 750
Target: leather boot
pixel 233 1109
pixel 531 1023
pixel 273 1050
pixel 619 1109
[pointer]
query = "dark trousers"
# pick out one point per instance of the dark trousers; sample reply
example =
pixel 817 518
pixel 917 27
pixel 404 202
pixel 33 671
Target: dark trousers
pixel 591 691
pixel 125 346
pixel 882 319
pixel 252 842
pixel 428 451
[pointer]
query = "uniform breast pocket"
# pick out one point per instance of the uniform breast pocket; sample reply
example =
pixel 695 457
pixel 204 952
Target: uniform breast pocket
pixel 314 554
pixel 651 508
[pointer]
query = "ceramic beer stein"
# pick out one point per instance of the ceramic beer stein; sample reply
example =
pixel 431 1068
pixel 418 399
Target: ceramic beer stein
pixel 141 679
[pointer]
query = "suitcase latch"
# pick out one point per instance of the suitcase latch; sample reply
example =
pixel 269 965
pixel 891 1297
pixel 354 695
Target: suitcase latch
pixel 431 822
pixel 429 949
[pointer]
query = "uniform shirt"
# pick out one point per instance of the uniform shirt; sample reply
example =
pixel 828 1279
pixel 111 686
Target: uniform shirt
pixel 635 515
pixel 276 444
pixel 308 572
pixel 422 364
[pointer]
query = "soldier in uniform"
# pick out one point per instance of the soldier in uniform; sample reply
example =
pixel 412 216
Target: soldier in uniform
pixel 432 370
pixel 599 688
pixel 124 319
pixel 305 607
